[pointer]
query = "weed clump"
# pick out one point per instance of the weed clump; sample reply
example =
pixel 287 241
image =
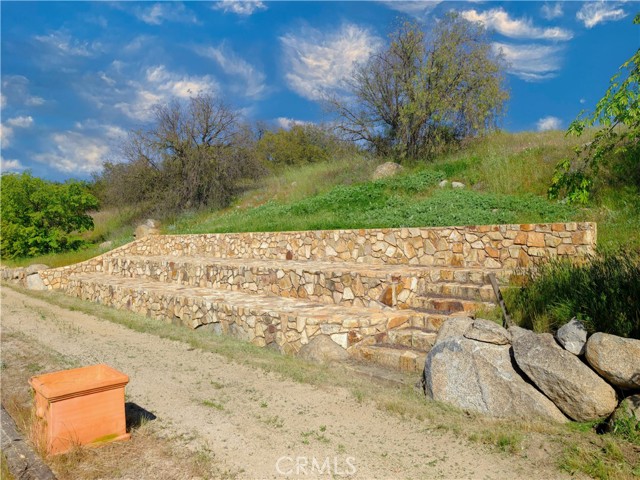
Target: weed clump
pixel 603 293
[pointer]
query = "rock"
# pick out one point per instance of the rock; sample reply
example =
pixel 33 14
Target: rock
pixel 36 267
pixel 34 282
pixel 489 332
pixel 106 245
pixel 576 389
pixel 388 169
pixel 454 327
pixel 628 412
pixel 516 332
pixel 617 359
pixel 149 227
pixel 480 377
pixel 572 336
pixel 443 183
pixel 457 184
pixel 322 350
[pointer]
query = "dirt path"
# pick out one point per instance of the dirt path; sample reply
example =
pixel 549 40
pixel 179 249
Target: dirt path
pixel 255 424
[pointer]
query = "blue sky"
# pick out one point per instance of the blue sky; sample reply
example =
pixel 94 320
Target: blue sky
pixel 76 76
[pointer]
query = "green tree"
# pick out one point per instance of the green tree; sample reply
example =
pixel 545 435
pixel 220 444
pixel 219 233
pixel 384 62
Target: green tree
pixel 40 217
pixel 424 92
pixel 618 115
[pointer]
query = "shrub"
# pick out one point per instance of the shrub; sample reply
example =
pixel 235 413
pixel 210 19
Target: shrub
pixel 603 292
pixel 39 217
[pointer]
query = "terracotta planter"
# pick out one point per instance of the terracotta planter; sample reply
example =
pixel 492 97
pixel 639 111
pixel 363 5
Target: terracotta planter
pixel 82 406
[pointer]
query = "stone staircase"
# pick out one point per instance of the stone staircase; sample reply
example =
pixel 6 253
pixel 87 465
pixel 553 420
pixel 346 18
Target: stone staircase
pixel 284 289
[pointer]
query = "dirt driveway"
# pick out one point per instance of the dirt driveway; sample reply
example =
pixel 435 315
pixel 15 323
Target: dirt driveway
pixel 250 423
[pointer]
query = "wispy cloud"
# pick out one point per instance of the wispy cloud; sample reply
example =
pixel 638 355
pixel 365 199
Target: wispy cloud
pixel 20 122
pixel 318 62
pixel 231 64
pixel 593 13
pixel 7 129
pixel 417 9
pixel 62 43
pixel 3 100
pixel 161 86
pixel 287 123
pixel 10 165
pixel 159 13
pixel 531 62
pixel 552 10
pixel 549 123
pixel 75 152
pixel 239 7
pixel 499 20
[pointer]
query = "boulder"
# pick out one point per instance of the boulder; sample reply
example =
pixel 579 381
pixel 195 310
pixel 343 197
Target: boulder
pixel 480 377
pixel 489 332
pixel 443 183
pixel 457 184
pixel 454 327
pixel 34 282
pixel 572 336
pixel 36 267
pixel 576 389
pixel 322 349
pixel 617 359
pixel 149 227
pixel 388 169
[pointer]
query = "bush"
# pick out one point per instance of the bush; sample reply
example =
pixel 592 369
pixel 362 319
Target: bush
pixel 39 217
pixel 604 293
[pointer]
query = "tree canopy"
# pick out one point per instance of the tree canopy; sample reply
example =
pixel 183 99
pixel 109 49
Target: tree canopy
pixel 423 92
pixel 40 217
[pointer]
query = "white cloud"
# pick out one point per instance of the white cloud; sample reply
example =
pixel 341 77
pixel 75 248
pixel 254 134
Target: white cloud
pixel 530 62
pixel 318 62
pixel 6 134
pixel 549 123
pixel 416 8
pixel 20 122
pixel 161 86
pixel 593 13
pixel 497 19
pixel 159 13
pixel 74 152
pixel 287 123
pixel 16 89
pixel 239 7
pixel 7 130
pixel 13 165
pixel 3 100
pixel 62 43
pixel 551 11
pixel 235 66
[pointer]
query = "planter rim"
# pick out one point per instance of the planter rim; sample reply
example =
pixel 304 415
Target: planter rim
pixel 78 381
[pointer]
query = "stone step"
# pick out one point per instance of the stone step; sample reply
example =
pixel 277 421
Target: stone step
pixel 448 305
pixel 469 291
pixel 396 357
pixel 412 337
pixel 285 323
pixel 339 283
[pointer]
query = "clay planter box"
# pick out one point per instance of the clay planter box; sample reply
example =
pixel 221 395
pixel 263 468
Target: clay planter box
pixel 83 406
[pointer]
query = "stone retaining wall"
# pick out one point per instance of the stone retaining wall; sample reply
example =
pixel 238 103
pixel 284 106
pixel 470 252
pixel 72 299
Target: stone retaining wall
pixel 483 246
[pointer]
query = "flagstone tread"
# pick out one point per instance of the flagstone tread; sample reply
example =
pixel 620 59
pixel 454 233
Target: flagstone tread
pixel 306 265
pixel 253 302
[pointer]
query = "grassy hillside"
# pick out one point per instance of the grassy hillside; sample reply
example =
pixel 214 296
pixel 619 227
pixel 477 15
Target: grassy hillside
pixel 506 178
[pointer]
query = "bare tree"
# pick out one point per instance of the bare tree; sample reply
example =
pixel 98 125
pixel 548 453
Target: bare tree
pixel 193 157
pixel 424 92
